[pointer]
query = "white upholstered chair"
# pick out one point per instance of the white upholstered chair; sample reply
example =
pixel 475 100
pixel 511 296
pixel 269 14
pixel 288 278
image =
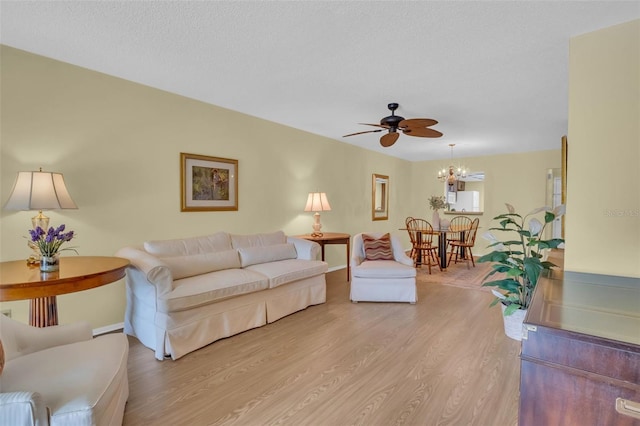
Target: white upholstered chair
pixel 61 375
pixel 391 280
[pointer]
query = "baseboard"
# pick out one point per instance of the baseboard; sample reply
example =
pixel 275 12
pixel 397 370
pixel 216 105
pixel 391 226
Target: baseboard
pixel 108 329
pixel 337 268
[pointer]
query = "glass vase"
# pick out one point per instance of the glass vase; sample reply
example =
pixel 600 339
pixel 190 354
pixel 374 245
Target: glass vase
pixel 50 263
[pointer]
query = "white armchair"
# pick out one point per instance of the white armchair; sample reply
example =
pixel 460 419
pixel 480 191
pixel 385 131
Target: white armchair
pixel 382 280
pixel 61 375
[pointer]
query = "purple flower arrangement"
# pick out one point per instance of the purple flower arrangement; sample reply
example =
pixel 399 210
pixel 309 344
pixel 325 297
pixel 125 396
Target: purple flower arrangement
pixel 50 242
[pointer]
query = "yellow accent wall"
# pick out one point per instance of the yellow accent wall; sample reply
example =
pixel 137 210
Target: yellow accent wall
pixel 118 144
pixel 603 177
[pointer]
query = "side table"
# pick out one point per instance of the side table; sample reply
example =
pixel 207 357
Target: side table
pixel 19 281
pixel 332 238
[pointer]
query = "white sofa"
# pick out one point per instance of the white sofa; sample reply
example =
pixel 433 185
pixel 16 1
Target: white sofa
pixel 61 375
pixel 389 280
pixel 185 293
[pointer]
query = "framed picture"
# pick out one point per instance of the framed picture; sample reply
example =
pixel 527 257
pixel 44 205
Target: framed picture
pixel 461 184
pixel 208 183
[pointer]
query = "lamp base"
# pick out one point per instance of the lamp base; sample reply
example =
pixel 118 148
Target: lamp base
pixel 40 220
pixel 316 225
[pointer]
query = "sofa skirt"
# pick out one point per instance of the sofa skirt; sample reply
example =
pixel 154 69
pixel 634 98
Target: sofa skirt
pixel 175 334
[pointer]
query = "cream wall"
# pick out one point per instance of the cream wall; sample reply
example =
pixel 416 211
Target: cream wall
pixel 118 145
pixel 603 178
pixel 517 179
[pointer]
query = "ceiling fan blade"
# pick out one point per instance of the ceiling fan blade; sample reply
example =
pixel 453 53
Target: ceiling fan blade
pixel 418 122
pixel 422 132
pixel 384 126
pixel 389 139
pixel 367 131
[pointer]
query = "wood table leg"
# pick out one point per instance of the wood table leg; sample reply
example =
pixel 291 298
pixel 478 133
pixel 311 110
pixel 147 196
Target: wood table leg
pixel 43 311
pixel 442 249
pixel 348 260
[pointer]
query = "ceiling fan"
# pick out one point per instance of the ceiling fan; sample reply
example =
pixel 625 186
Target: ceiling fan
pixel 394 123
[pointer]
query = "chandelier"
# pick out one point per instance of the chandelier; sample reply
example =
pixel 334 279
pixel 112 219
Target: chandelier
pixel 452 174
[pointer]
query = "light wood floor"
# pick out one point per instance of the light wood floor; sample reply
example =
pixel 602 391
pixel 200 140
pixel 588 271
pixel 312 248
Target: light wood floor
pixel 442 361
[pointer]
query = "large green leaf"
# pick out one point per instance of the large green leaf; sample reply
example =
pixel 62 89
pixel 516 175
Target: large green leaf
pixel 549 217
pixel 511 309
pixel 508 284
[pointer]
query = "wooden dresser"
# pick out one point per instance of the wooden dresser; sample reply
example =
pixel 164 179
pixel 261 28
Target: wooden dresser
pixel 580 361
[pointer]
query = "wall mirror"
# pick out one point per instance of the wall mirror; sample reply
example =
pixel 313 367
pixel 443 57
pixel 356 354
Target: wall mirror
pixel 380 197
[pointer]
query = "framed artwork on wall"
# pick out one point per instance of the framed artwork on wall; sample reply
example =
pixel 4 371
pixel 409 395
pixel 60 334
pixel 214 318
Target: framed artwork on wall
pixel 208 183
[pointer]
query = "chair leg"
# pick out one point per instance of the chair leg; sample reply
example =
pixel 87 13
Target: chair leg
pixel 453 249
pixel 471 256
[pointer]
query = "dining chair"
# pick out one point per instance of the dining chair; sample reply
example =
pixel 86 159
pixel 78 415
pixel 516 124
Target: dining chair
pixel 406 225
pixel 458 222
pixel 421 234
pixel 463 247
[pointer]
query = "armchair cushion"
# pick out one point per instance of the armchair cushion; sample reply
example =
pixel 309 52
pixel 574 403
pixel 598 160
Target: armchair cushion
pixel 384 269
pixel 63 371
pixel 377 248
pixel 78 382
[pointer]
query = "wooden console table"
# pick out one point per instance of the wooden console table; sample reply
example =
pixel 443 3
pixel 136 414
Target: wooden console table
pixel 20 281
pixel 580 361
pixel 332 238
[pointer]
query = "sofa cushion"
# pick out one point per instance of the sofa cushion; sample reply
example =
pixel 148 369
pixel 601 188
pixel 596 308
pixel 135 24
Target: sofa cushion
pixel 258 240
pixel 377 248
pixel 219 241
pixel 286 271
pixel 252 255
pixel 207 288
pixel 78 381
pixel 197 264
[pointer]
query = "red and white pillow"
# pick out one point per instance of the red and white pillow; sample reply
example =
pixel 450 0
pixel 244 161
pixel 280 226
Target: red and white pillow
pixel 377 248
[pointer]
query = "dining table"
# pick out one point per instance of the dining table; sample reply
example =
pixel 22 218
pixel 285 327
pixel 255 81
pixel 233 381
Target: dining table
pixel 442 241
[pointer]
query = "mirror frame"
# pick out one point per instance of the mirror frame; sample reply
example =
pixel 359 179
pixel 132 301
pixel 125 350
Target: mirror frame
pixel 382 194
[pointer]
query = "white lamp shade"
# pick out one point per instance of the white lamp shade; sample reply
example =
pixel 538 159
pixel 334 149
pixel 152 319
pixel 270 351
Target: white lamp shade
pixel 39 191
pixel 317 202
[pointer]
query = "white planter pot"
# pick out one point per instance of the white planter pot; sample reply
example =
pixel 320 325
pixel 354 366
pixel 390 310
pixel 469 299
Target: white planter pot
pixel 513 323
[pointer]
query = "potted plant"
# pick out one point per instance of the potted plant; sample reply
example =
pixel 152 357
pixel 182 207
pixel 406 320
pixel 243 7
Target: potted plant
pixel 519 258
pixel 436 203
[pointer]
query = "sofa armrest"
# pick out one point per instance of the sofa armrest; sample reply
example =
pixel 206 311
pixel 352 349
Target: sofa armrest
pixel 154 269
pixel 22 408
pixel 307 250
pixel 20 339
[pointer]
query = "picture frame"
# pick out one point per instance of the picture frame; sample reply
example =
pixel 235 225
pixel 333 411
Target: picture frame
pixel 208 183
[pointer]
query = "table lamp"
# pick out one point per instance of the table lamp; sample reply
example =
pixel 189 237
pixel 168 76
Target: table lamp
pixel 39 191
pixel 317 202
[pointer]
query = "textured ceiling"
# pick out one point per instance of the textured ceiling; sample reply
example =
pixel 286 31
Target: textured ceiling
pixel 494 74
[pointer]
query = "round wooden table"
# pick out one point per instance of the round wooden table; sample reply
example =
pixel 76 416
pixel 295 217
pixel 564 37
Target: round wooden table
pixel 20 281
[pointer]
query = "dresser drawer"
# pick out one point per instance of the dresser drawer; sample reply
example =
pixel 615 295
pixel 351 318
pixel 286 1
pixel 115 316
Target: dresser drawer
pixel 555 395
pixel 608 358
